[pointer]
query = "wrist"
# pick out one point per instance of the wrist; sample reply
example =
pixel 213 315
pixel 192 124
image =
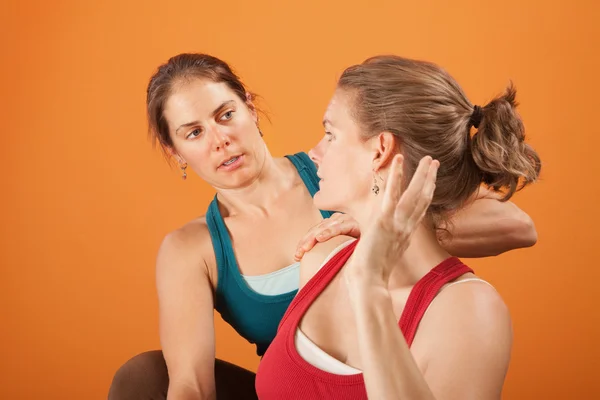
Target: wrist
pixel 368 296
pixel 363 281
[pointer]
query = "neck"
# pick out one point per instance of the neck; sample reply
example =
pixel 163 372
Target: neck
pixel 423 253
pixel 256 197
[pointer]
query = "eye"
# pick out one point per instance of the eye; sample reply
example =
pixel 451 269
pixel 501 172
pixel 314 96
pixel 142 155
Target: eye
pixel 227 116
pixel 193 134
pixel 329 136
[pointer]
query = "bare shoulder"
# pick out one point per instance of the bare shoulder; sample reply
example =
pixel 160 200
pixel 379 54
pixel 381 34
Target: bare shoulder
pixel 463 344
pixel 474 320
pixel 472 302
pixel 189 246
pixel 313 259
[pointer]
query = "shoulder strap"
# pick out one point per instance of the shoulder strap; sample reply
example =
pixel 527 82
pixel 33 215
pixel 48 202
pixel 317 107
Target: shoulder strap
pixel 425 291
pixel 308 172
pixel 220 240
pixel 319 282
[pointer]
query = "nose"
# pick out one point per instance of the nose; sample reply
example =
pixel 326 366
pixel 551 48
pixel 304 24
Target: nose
pixel 312 156
pixel 316 153
pixel 221 140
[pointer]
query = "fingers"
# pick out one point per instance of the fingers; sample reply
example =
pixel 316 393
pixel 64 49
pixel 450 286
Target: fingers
pixel 337 224
pixel 424 200
pixel 393 188
pixel 413 193
pixel 346 226
pixel 301 249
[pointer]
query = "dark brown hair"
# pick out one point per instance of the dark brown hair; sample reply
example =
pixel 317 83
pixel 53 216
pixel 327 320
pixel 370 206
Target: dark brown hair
pixel 179 70
pixel 425 108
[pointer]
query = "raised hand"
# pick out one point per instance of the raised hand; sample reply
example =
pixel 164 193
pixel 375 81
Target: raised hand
pixel 383 242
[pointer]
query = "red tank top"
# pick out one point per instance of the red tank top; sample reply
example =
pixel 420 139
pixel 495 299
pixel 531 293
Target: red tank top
pixel 284 374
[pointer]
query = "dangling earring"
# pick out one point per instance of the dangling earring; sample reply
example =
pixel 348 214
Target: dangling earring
pixel 375 187
pixel 183 167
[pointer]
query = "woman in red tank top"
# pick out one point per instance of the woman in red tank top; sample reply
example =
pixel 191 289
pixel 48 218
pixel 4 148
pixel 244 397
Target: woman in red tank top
pixel 365 323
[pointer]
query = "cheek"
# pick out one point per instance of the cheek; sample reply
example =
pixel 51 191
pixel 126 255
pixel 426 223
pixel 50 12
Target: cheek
pixel 358 173
pixel 196 153
pixel 243 122
pixel 356 176
pixel 344 174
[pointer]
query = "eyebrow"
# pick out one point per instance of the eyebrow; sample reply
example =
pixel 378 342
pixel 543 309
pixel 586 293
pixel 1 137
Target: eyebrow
pixel 215 112
pixel 326 122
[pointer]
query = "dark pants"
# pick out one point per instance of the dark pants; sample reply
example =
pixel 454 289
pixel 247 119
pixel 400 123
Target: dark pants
pixel 145 377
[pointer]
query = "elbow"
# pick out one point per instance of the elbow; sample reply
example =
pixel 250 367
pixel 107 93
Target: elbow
pixel 190 389
pixel 524 232
pixel 531 236
pixel 179 392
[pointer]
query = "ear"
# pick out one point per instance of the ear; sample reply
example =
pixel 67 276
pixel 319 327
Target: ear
pixel 173 153
pixel 251 106
pixel 385 146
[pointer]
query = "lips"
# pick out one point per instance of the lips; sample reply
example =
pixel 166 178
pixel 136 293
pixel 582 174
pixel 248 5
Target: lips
pixel 229 160
pixel 231 163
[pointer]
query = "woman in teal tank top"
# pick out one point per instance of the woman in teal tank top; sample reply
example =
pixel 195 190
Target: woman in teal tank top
pixel 240 257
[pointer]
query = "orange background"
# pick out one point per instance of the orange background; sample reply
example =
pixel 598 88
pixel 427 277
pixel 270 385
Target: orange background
pixel 86 201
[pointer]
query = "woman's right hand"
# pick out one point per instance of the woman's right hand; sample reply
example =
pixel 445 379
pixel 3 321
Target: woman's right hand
pixel 336 225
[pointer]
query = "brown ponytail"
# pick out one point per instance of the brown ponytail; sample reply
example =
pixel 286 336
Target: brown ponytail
pixel 422 105
pixel 499 149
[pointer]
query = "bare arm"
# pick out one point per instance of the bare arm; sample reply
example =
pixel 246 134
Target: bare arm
pixel 389 369
pixel 473 323
pixel 186 319
pixel 470 359
pixel 468 337
pixel 487 227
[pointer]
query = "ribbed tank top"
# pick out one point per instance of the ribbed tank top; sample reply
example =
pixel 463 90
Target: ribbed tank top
pixel 284 374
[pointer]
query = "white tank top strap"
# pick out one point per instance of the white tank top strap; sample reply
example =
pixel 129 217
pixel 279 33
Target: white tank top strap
pixel 467 280
pixel 456 283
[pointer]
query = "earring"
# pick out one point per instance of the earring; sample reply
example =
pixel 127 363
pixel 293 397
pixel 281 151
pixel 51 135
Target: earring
pixel 375 187
pixel 183 167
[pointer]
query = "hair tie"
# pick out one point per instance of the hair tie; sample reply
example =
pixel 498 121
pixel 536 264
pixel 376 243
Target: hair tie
pixel 476 117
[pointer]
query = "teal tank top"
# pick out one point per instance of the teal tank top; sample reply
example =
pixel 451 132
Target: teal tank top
pixel 254 316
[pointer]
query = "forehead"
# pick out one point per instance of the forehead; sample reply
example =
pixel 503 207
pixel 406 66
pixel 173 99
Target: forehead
pixel 339 110
pixel 196 98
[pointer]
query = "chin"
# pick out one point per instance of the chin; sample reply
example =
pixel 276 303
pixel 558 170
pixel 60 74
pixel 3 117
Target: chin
pixel 323 202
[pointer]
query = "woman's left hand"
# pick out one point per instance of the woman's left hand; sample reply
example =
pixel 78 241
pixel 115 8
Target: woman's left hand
pixel 384 241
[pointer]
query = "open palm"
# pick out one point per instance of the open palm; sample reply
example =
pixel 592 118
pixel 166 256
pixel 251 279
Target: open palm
pixel 385 239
